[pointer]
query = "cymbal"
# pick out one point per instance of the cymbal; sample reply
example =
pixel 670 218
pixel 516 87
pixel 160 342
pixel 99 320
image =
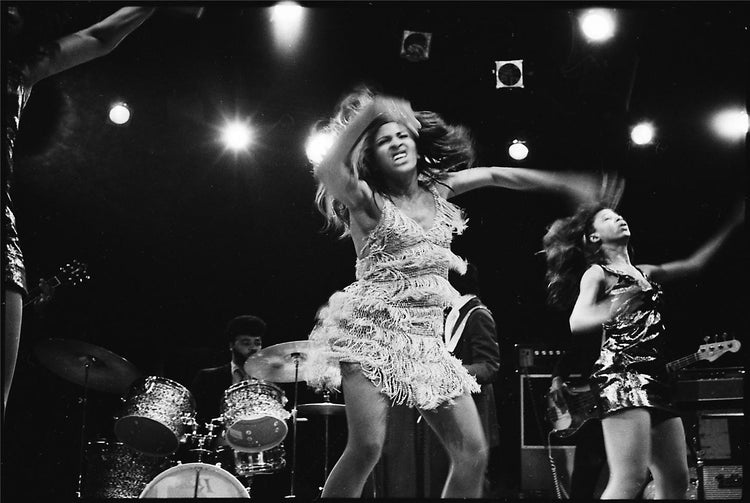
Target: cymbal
pixel 67 358
pixel 322 409
pixel 277 363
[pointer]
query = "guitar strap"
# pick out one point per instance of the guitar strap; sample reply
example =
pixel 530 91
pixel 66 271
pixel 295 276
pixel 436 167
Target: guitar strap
pixel 453 333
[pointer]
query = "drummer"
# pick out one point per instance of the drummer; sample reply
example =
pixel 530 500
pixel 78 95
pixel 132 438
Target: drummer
pixel 244 335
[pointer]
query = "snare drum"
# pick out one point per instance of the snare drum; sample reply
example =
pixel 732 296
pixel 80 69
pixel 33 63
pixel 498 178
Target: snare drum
pixel 195 480
pixel 254 416
pixel 154 415
pixel 243 464
pixel 113 470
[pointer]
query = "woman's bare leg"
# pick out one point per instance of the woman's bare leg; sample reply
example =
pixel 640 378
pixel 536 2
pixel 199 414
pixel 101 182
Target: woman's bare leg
pixel 12 309
pixel 366 419
pixel 460 430
pixel 669 459
pixel 627 439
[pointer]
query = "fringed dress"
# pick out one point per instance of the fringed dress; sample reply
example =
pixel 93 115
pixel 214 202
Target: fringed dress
pixel 631 370
pixel 390 320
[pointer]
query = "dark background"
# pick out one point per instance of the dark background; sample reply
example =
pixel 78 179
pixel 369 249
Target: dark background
pixel 180 236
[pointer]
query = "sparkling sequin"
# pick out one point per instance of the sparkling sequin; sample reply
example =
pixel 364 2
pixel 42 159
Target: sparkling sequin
pixel 154 415
pixel 630 371
pixel 254 415
pixel 16 94
pixel 390 320
pixel 115 471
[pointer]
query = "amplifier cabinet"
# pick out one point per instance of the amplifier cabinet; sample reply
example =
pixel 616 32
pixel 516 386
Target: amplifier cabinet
pixel 722 482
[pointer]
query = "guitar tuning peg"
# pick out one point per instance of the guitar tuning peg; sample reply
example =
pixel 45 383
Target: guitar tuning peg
pixel 706 338
pixel 724 336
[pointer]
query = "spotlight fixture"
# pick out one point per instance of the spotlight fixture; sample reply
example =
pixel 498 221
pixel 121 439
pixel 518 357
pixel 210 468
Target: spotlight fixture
pixel 415 45
pixel 317 146
pixel 731 124
pixel 509 73
pixel 518 150
pixel 597 25
pixel 237 136
pixel 642 134
pixel 119 114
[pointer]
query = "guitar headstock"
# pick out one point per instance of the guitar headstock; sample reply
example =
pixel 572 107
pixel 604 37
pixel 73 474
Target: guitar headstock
pixel 73 273
pixel 713 349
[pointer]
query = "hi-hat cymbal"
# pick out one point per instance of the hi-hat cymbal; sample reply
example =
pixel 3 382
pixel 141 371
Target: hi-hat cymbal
pixel 277 363
pixel 321 409
pixel 68 359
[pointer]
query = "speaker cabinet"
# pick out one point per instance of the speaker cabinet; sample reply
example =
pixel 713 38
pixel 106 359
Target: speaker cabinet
pixel 722 482
pixel 537 478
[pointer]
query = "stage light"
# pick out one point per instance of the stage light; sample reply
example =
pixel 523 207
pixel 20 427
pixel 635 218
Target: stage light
pixel 317 146
pixel 119 114
pixel 598 25
pixel 509 73
pixel 731 124
pixel 642 134
pixel 236 135
pixel 415 45
pixel 518 150
pixel 286 18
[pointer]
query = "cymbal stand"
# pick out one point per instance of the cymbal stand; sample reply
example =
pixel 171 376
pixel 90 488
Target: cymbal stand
pixel 326 399
pixel 84 402
pixel 296 357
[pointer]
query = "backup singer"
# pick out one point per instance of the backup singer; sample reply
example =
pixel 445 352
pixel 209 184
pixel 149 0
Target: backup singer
pixel 35 53
pixel 588 265
pixel 385 182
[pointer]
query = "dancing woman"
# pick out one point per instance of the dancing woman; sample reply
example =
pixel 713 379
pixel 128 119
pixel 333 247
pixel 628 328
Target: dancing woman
pixel 588 266
pixel 384 182
pixel 33 54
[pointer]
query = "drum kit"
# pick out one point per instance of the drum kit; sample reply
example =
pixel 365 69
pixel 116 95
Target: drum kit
pixel 157 431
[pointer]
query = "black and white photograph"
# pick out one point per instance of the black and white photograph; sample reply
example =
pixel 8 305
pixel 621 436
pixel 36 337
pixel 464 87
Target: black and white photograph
pixel 383 250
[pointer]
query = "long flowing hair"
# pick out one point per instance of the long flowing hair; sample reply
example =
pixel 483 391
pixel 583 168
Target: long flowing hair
pixel 569 252
pixel 442 149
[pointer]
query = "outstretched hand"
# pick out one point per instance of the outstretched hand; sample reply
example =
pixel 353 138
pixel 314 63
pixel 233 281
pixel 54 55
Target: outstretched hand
pixel 397 110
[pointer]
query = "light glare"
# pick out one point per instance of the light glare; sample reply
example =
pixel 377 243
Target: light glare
pixel 597 25
pixel 518 150
pixel 317 146
pixel 731 124
pixel 236 136
pixel 119 114
pixel 286 18
pixel 642 134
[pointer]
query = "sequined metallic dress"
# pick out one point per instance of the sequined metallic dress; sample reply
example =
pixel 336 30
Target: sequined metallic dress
pixel 631 371
pixel 15 97
pixel 390 320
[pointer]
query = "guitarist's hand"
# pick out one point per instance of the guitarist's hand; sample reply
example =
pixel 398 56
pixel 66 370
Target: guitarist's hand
pixel 47 292
pixel 556 391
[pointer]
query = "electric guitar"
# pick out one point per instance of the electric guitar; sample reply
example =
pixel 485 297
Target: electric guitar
pixel 72 273
pixel 579 404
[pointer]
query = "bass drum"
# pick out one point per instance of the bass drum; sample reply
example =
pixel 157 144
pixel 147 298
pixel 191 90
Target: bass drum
pixel 195 480
pixel 113 470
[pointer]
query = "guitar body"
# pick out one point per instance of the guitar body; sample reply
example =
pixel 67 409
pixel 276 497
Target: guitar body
pixel 577 407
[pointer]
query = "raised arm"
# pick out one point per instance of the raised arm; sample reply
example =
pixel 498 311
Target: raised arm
pixel 90 43
pixel 581 187
pixel 335 170
pixel 588 312
pixel 696 262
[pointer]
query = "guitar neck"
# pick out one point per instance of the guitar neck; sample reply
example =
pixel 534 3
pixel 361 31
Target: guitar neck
pixel 37 292
pixel 683 362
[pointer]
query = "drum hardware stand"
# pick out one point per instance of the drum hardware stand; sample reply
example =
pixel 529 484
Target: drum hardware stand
pixel 84 403
pixel 296 357
pixel 326 399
